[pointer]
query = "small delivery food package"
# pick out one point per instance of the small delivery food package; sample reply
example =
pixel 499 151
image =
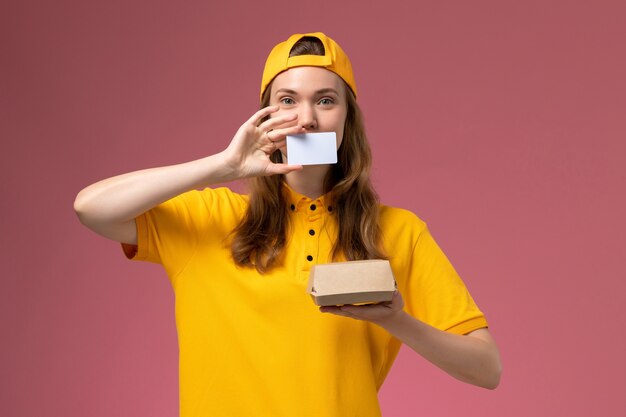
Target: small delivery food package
pixel 354 282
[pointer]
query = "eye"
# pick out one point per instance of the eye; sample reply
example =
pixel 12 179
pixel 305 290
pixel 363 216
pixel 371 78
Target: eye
pixel 287 101
pixel 326 101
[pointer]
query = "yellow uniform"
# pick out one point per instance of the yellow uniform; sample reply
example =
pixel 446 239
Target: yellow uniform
pixel 256 345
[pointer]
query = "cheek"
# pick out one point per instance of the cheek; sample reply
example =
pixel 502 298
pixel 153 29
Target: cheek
pixel 340 129
pixel 340 134
pixel 335 123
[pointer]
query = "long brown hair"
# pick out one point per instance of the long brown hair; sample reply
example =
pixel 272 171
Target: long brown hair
pixel 260 238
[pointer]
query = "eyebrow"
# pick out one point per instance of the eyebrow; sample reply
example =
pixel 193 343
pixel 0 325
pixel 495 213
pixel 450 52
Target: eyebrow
pixel 318 92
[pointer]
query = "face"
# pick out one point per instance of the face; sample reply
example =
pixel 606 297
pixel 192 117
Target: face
pixel 316 95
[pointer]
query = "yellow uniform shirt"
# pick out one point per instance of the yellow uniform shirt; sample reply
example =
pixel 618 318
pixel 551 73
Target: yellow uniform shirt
pixel 256 345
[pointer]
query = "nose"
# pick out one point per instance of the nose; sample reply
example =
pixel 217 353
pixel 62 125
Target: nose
pixel 307 117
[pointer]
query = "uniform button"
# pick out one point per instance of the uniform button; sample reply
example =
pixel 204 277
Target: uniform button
pixel 313 207
pixel 293 207
pixel 309 258
pixel 312 232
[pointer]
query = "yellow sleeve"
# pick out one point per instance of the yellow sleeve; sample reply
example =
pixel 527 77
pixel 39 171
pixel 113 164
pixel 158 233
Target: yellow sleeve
pixel 170 233
pixel 435 294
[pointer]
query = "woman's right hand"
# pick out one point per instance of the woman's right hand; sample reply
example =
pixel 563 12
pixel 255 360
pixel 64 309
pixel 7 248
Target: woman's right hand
pixel 248 154
pixel 109 207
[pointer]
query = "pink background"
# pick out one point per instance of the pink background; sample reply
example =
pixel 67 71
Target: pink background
pixel 502 124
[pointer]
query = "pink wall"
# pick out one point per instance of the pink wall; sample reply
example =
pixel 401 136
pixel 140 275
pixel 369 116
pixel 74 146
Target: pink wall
pixel 502 124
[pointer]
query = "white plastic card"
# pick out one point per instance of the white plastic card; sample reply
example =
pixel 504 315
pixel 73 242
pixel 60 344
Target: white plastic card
pixel 312 148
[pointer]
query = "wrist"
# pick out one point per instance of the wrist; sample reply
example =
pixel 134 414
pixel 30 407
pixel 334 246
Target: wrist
pixel 219 167
pixel 393 321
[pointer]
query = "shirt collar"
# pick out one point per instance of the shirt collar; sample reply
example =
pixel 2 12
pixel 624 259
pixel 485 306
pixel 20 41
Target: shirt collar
pixel 298 202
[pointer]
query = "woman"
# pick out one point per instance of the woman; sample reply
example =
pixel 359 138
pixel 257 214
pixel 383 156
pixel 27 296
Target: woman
pixel 251 340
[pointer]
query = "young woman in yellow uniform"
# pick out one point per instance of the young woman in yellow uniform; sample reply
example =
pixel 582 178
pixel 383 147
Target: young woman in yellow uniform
pixel 252 342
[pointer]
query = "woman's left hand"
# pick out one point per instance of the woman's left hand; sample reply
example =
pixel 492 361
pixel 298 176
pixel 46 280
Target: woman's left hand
pixel 376 313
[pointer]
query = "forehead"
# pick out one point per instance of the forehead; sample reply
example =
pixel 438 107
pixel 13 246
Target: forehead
pixel 307 80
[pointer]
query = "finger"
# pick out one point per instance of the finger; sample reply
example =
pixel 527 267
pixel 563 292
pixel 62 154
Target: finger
pixel 276 138
pixel 334 309
pixel 353 310
pixel 273 169
pixel 338 312
pixel 259 115
pixel 278 142
pixel 268 137
pixel 279 135
pixel 274 122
